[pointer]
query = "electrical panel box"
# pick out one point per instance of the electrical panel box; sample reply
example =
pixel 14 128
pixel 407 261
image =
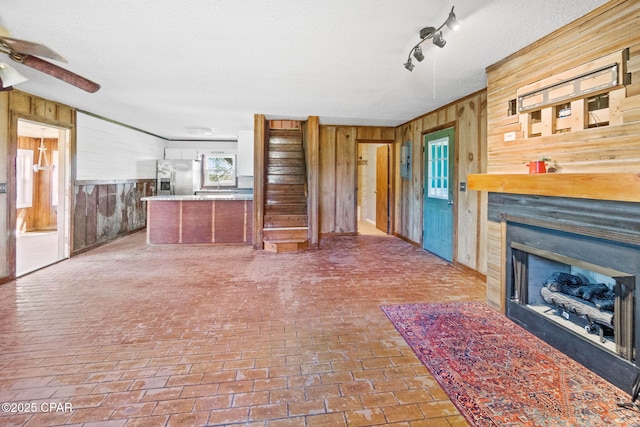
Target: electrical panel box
pixel 405 160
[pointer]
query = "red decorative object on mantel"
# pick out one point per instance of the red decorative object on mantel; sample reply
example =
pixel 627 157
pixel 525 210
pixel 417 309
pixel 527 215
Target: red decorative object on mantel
pixel 539 166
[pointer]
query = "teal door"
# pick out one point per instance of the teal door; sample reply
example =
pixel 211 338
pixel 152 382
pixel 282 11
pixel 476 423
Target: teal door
pixel 438 193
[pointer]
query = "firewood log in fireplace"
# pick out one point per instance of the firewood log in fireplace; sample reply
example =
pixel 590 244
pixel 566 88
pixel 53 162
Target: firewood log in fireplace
pixel 581 307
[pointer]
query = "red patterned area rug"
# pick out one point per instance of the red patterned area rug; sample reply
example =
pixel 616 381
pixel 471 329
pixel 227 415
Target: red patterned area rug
pixel 498 374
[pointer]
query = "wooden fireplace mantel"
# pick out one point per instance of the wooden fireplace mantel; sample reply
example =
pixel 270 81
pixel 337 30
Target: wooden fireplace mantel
pixel 624 187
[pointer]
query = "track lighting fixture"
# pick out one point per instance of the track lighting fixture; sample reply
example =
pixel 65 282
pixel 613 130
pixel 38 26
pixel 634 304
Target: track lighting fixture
pixel 435 34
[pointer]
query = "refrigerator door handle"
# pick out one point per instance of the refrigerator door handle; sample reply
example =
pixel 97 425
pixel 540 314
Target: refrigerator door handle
pixel 173 182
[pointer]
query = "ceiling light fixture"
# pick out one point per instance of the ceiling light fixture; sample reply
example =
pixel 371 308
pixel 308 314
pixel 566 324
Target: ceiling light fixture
pixel 9 77
pixel 431 33
pixel 43 154
pixel 200 131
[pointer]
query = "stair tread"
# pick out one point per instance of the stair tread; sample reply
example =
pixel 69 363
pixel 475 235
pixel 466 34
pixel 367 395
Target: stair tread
pixel 288 228
pixel 285 240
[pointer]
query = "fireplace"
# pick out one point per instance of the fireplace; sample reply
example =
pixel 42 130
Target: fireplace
pixel 572 267
pixel 592 301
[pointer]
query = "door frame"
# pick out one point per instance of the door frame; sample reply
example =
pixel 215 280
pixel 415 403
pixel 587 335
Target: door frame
pixel 392 179
pixel 454 183
pixel 12 152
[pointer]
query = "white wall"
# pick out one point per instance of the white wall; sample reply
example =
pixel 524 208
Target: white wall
pixel 108 151
pixel 245 153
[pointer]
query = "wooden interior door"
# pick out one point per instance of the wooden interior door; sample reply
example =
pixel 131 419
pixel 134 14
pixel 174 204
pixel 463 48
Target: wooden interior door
pixel 382 188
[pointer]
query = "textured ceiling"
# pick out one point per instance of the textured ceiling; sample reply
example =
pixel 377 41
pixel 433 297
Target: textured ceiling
pixel 168 65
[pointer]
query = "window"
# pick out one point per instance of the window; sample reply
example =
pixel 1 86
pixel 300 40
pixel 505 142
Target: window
pixel 24 184
pixel 438 173
pixel 219 170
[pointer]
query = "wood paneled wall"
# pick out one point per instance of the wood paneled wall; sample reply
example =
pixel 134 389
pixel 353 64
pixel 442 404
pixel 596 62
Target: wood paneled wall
pixel 607 30
pixel 105 211
pixel 338 174
pixel 468 117
pixel 610 29
pixel 42 215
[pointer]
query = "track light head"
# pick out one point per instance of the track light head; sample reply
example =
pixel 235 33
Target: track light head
pixel 438 40
pixel 452 22
pixel 417 53
pixel 408 65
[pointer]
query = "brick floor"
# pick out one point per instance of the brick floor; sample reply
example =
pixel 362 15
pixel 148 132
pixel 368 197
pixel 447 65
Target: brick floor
pixel 137 335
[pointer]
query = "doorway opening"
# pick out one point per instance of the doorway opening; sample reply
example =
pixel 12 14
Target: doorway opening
pixel 374 179
pixel 42 185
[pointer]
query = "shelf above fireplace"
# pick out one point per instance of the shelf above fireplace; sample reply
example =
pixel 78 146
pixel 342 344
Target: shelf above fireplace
pixel 624 187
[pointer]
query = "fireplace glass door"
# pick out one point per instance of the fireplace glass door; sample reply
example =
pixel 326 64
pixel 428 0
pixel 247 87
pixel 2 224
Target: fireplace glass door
pixel 593 302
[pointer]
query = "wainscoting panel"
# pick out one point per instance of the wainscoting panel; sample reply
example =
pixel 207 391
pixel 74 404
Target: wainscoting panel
pixel 105 211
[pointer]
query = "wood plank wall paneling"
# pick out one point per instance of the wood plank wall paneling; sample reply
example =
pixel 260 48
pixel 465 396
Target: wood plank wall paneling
pixel 468 117
pixel 608 30
pixel 284 124
pixel 107 211
pixel 495 264
pixel 327 173
pixel 312 139
pixel 346 169
pixel 261 133
pixel 338 168
pixel 611 28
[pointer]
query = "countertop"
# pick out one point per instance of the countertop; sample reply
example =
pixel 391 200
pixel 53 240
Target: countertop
pixel 203 197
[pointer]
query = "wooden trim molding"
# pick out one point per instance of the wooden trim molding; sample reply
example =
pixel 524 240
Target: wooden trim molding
pixel 313 177
pixel 260 131
pixel 623 187
pixel 374 141
pixel 111 181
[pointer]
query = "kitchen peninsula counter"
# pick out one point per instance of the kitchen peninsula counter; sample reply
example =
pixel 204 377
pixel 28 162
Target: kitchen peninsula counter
pixel 203 218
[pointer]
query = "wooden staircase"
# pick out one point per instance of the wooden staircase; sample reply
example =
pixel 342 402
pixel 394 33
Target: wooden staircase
pixel 285 226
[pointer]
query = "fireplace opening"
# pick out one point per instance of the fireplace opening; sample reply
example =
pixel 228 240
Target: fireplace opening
pixel 593 302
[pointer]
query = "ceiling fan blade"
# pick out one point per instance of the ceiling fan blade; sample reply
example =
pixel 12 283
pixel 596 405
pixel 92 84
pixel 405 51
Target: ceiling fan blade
pixel 59 73
pixel 30 48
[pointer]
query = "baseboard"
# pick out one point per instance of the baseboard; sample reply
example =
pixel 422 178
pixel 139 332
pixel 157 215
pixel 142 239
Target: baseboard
pixel 409 241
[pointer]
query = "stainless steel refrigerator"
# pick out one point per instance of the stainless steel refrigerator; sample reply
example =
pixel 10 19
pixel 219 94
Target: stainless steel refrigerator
pixel 178 177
